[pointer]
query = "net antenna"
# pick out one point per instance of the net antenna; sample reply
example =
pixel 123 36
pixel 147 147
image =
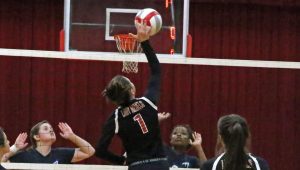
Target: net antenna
pixel 128 45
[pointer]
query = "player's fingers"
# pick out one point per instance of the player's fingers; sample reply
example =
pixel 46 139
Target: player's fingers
pixel 62 135
pixel 148 30
pixel 144 23
pixel 23 136
pixel 61 127
pixel 139 27
pixel 67 125
pixel 133 35
pixel 194 136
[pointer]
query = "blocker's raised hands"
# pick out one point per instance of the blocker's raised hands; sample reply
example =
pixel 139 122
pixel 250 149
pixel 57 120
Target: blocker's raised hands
pixel 66 131
pixel 163 116
pixel 20 142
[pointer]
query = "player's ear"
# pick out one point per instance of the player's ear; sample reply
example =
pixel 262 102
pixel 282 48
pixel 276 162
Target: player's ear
pixel 220 139
pixel 133 90
pixel 36 137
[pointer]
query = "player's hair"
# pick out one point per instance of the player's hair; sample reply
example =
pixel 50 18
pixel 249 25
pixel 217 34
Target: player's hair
pixel 34 131
pixel 234 132
pixel 2 138
pixel 118 90
pixel 189 131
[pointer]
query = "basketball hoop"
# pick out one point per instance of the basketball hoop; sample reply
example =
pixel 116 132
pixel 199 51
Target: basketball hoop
pixel 128 45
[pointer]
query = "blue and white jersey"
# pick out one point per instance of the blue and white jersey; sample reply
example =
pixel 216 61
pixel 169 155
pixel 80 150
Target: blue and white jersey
pixel 183 160
pixel 253 163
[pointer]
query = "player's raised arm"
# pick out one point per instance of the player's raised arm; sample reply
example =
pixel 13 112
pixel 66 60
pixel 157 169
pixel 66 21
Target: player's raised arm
pixel 143 34
pixel 84 150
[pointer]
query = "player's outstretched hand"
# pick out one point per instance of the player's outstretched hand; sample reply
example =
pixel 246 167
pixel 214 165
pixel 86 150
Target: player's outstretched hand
pixel 197 140
pixel 66 131
pixel 20 142
pixel 143 32
pixel 163 116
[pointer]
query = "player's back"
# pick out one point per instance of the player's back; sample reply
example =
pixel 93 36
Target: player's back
pixel 139 130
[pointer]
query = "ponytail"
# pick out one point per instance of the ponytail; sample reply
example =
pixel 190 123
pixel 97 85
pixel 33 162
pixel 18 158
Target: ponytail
pixel 234 132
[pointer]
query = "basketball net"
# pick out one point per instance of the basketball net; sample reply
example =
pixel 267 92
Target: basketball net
pixel 128 45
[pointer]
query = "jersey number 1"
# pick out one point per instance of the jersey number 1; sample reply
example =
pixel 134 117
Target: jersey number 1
pixel 140 120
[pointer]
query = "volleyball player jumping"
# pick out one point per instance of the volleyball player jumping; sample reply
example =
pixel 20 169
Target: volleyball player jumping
pixel 135 120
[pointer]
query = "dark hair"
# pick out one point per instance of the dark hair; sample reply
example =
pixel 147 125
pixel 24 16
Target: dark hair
pixel 118 90
pixel 189 131
pixel 34 131
pixel 234 132
pixel 2 139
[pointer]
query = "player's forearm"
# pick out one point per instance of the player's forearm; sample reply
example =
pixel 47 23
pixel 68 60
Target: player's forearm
pixel 7 156
pixel 82 144
pixel 200 153
pixel 12 151
pixel 151 57
pixel 152 92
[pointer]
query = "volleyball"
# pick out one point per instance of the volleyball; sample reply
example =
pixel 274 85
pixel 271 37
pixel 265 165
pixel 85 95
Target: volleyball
pixel 152 19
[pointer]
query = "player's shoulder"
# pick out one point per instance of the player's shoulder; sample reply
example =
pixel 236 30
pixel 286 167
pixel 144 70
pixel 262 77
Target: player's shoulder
pixel 26 152
pixel 112 115
pixel 148 102
pixel 207 165
pixel 1 167
pixel 22 155
pixel 63 152
pixel 262 162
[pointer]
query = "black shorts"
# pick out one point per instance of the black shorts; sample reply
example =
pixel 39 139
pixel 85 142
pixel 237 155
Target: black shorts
pixel 150 164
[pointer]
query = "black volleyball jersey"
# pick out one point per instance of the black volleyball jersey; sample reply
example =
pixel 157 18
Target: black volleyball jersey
pixel 136 123
pixel 253 163
pixel 2 168
pixel 138 128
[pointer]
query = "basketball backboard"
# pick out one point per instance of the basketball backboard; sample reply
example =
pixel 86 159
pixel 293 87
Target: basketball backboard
pixel 91 24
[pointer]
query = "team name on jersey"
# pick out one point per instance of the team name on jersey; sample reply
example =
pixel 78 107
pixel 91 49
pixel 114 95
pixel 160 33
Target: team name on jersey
pixel 134 107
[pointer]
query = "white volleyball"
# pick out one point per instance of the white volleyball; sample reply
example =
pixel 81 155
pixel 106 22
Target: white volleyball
pixel 151 18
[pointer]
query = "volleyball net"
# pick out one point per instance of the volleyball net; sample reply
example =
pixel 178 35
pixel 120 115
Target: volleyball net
pixel 31 166
pixel 163 58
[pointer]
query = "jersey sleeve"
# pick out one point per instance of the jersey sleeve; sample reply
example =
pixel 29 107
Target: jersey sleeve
pixel 152 92
pixel 64 155
pixel 102 151
pixel 263 164
pixel 196 162
pixel 207 165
